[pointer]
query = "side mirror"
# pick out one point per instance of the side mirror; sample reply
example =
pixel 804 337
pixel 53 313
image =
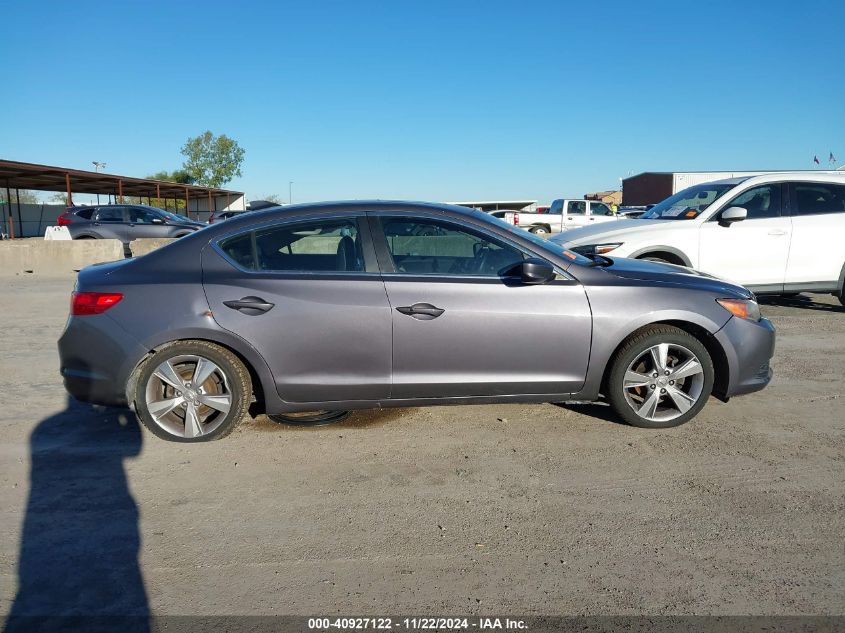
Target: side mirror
pixel 535 271
pixel 731 215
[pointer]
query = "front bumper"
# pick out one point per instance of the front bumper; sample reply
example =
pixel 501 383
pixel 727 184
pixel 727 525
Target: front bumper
pixel 749 347
pixel 96 357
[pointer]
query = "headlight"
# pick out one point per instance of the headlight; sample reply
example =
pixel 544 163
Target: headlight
pixel 742 308
pixel 596 249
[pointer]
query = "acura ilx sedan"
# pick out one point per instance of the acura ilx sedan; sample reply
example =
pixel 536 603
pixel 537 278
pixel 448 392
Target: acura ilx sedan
pixel 340 306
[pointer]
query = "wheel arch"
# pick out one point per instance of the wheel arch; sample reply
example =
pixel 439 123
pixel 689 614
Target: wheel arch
pixel 721 367
pixel 669 253
pixel 263 385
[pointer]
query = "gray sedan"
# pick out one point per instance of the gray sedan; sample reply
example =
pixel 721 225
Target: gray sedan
pixel 342 306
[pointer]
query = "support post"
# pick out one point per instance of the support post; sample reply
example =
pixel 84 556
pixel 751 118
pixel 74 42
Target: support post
pixel 187 208
pixel 69 194
pixel 120 190
pixel 158 195
pixel 20 217
pixel 11 220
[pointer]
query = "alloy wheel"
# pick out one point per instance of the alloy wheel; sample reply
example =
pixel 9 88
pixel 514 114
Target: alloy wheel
pixel 188 396
pixel 663 382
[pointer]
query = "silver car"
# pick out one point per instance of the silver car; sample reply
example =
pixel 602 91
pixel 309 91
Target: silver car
pixel 340 306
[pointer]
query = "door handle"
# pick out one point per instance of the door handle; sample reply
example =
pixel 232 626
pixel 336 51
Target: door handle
pixel 591 219
pixel 421 311
pixel 252 306
pixel 569 218
pixel 777 232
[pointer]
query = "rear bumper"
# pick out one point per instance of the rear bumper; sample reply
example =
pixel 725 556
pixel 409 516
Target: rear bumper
pixel 96 357
pixel 749 347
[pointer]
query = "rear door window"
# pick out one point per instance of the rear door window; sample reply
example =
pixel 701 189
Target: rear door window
pixel 326 245
pixel 110 214
pixel 812 198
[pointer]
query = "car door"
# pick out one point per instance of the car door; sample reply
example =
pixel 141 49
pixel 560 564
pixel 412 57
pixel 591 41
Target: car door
pixel 753 251
pixel 146 223
pixel 110 222
pixel 462 328
pixel 599 212
pixel 817 251
pixel 307 294
pixel 576 214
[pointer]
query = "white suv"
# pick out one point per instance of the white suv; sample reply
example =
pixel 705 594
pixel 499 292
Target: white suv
pixel 777 233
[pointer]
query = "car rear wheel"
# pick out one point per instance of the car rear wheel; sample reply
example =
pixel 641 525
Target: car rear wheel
pixel 539 230
pixel 660 378
pixel 192 391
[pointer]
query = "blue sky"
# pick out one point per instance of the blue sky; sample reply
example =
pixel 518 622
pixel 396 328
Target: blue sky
pixel 450 100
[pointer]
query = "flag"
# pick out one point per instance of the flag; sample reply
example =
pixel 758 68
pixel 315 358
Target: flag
pixel 832 158
pixel 816 160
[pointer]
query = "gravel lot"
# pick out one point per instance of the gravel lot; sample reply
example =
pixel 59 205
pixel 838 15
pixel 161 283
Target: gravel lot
pixel 523 509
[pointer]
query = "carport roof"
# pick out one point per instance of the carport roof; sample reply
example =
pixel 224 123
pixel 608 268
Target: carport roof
pixel 16 175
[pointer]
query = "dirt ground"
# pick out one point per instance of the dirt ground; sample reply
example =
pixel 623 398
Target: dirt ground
pixel 528 509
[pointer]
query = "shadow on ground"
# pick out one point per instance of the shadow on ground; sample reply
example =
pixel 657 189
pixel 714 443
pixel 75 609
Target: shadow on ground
pixel 78 564
pixel 802 301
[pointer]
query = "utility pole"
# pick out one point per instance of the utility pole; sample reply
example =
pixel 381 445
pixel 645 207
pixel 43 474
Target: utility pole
pixel 290 191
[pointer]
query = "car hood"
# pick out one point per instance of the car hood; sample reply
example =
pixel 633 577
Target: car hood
pixel 643 270
pixel 609 231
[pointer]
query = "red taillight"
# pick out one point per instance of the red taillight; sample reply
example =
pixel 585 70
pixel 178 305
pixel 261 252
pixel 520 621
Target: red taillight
pixel 516 219
pixel 63 219
pixel 85 303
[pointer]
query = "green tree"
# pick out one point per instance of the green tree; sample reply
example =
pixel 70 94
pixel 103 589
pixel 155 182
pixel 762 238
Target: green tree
pixel 212 160
pixel 179 175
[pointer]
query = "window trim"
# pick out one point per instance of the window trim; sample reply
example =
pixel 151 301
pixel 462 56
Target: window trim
pixel 388 268
pixel 371 269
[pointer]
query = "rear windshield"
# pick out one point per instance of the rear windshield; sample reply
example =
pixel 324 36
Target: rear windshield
pixel 687 204
pixel 85 213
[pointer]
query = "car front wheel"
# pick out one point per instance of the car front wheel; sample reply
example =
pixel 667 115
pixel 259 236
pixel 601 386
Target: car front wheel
pixel 192 391
pixel 660 378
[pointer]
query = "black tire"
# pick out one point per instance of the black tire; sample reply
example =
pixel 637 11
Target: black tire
pixel 237 384
pixel 638 344
pixel 85 237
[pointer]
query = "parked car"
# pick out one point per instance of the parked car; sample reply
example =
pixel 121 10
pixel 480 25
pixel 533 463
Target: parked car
pixel 777 233
pixel 562 216
pixel 356 305
pixel 632 212
pixel 125 222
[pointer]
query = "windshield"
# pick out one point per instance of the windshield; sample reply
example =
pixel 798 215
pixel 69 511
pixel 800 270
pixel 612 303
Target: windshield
pixel 688 203
pixel 174 217
pixel 556 208
pixel 543 243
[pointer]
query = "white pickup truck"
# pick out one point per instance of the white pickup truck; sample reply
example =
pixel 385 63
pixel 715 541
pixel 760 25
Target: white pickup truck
pixel 561 216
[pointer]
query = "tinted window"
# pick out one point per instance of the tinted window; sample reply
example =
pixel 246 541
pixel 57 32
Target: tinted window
pixel 142 216
pixel 430 247
pixel 85 213
pixel 576 207
pixel 110 214
pixel 760 202
pixel 331 245
pixel 813 198
pixel 599 208
pixel 556 208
